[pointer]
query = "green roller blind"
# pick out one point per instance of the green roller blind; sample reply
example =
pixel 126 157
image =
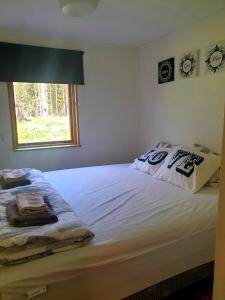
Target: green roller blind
pixel 23 63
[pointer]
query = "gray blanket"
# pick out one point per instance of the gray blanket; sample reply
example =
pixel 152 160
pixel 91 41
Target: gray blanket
pixel 19 245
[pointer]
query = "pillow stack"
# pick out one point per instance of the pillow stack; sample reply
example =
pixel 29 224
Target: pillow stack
pixel 189 169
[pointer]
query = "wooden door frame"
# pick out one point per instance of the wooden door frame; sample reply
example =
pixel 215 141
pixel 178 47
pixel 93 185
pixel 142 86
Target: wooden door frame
pixel 219 273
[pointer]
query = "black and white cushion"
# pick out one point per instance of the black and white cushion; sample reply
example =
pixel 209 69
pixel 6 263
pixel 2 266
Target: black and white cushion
pixel 188 169
pixel 151 161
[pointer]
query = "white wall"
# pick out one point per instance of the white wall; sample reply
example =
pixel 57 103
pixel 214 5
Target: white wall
pixel 106 109
pixel 183 111
pixel 115 122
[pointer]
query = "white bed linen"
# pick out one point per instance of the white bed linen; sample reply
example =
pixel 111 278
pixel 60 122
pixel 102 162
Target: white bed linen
pixel 131 214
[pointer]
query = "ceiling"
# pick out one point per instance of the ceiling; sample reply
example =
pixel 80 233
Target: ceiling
pixel 120 22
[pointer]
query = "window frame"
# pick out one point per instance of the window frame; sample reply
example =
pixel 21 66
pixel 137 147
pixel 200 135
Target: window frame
pixel 73 117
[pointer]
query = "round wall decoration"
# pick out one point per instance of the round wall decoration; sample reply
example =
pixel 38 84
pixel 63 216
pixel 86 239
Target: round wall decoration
pixel 215 60
pixel 188 65
pixel 166 70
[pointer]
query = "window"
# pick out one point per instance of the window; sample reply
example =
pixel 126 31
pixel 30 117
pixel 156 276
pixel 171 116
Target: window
pixel 43 115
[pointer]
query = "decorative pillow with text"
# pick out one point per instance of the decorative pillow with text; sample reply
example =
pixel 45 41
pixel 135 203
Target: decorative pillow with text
pixel 152 160
pixel 188 169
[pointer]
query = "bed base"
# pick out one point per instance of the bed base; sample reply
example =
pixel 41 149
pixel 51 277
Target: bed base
pixel 174 284
pixel 77 290
pixel 152 274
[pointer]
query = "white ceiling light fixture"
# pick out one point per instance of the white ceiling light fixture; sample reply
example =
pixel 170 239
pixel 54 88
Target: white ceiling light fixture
pixel 78 8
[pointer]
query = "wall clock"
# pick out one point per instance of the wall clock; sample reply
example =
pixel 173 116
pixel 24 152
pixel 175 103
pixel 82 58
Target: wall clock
pixel 166 70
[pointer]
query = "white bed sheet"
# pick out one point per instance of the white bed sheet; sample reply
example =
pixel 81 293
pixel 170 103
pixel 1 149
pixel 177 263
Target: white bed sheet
pixel 121 204
pixel 131 214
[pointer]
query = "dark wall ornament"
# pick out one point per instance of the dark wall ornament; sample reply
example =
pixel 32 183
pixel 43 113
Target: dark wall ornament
pixel 188 65
pixel 166 70
pixel 215 58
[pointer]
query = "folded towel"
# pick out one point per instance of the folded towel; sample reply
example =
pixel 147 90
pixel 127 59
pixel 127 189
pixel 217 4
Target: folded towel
pixel 31 220
pixel 31 203
pixel 11 178
pixel 13 183
pixel 7 179
pixel 13 174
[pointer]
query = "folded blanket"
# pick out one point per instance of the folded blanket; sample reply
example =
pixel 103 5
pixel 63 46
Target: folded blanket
pixel 23 244
pixel 30 220
pixel 31 204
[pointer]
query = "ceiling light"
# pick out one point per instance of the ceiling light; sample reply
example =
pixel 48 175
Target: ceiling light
pixel 78 8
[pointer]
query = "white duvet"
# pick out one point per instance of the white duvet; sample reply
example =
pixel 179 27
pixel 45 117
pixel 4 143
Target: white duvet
pixel 130 213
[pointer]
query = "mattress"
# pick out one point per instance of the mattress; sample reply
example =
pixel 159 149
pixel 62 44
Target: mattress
pixel 133 216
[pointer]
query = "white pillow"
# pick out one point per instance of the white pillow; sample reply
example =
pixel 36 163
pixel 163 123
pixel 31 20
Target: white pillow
pixel 204 149
pixel 163 144
pixel 215 179
pixel 151 161
pixel 188 169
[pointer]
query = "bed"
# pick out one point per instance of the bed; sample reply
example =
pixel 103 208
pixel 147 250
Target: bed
pixel 146 231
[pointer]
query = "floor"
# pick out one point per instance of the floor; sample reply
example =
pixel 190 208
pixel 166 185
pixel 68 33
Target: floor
pixel 200 291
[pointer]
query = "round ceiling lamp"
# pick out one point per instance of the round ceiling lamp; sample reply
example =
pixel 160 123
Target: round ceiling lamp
pixel 78 8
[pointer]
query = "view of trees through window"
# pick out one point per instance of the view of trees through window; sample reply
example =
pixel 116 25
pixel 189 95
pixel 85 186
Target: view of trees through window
pixel 42 112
